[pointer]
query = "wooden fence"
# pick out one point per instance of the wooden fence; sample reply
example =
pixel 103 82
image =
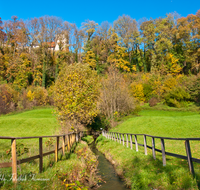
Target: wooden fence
pixel 67 141
pixel 120 137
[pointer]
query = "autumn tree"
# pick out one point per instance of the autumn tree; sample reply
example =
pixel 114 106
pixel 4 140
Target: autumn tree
pixel 76 94
pixel 118 55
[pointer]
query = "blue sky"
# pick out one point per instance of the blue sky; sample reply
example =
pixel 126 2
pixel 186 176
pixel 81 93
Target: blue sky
pixel 102 10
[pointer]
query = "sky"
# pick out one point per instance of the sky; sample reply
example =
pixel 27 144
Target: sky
pixel 78 11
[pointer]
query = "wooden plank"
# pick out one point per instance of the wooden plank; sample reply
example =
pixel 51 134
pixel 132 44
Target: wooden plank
pixel 163 152
pixel 153 148
pixel 167 138
pixel 28 159
pixel 120 139
pixel 127 140
pixel 63 144
pixel 56 149
pixel 136 143
pixel 189 156
pixel 14 160
pixel 41 155
pixel 123 138
pixel 6 165
pixel 131 142
pixel 145 145
pixel 48 153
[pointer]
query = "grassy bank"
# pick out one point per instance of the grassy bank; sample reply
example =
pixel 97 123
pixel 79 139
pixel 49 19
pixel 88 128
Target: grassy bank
pixel 74 171
pixel 143 172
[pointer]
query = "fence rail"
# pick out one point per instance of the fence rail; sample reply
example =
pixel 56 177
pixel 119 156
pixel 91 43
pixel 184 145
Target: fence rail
pixel 67 141
pixel 120 137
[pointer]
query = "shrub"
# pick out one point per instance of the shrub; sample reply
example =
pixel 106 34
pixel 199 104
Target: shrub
pixel 37 95
pixel 177 97
pixel 137 91
pixel 193 85
pixel 153 101
pixel 147 89
pixel 8 99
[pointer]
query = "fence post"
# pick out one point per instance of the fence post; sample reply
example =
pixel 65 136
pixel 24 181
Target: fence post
pixel 153 148
pixel 131 142
pixel 76 137
pixel 63 144
pixel 120 138
pixel 136 143
pixel 41 155
pixel 56 149
pixel 189 156
pixel 68 145
pixel 127 140
pixel 163 152
pixel 145 145
pixel 14 161
pixel 123 138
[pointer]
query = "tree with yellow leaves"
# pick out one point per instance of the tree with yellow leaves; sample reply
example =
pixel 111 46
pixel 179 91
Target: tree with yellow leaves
pixel 173 67
pixel 89 58
pixel 118 54
pixel 76 94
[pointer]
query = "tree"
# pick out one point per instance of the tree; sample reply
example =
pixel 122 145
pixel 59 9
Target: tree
pixel 76 94
pixel 114 97
pixel 118 54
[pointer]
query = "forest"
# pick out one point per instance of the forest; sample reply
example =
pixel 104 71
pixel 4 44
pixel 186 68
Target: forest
pixel 104 70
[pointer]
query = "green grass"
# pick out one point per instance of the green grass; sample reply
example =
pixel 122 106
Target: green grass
pixel 143 172
pixel 166 124
pixel 29 123
pixel 148 172
pixel 38 122
pixel 89 139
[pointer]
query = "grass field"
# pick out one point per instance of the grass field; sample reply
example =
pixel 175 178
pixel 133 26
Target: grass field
pixel 38 122
pixel 166 124
pixel 29 123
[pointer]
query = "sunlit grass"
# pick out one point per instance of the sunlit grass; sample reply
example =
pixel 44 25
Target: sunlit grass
pixel 143 172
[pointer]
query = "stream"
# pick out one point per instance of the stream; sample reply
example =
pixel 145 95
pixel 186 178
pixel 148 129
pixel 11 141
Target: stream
pixel 107 172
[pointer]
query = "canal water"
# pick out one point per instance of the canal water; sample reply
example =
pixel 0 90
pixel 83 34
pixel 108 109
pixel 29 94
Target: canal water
pixel 107 172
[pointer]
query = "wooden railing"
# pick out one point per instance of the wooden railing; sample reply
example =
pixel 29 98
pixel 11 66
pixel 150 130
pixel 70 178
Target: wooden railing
pixel 67 140
pixel 120 137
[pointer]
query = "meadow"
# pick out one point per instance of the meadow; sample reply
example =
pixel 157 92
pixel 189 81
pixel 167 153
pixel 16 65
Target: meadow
pixel 37 122
pixel 165 124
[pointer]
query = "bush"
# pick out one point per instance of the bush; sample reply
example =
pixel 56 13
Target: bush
pixel 177 97
pixel 8 99
pixel 193 85
pixel 153 101
pixel 37 95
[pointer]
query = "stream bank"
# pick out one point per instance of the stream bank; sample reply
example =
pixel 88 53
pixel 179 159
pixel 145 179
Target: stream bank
pixel 106 170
